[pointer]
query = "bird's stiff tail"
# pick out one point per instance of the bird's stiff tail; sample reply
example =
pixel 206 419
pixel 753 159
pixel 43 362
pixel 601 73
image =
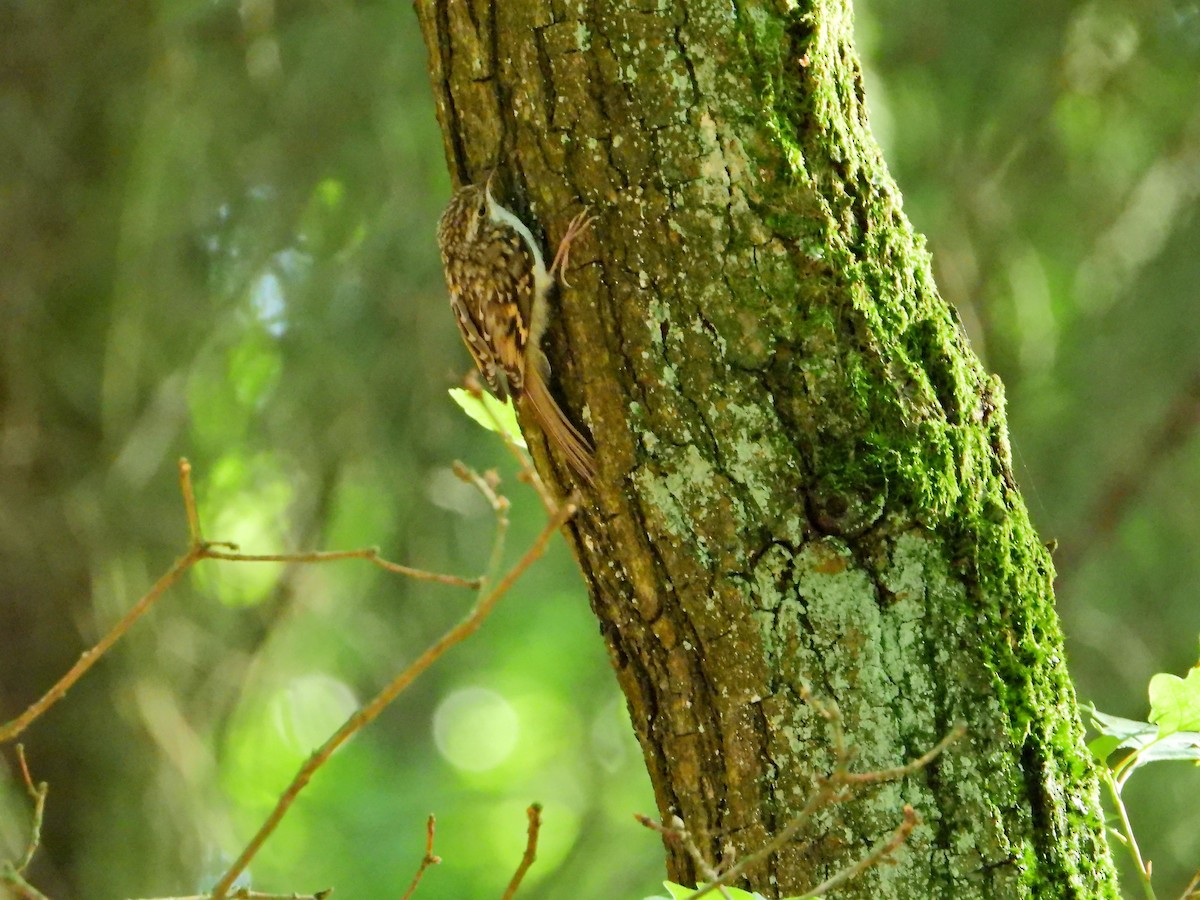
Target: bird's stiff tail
pixel 563 436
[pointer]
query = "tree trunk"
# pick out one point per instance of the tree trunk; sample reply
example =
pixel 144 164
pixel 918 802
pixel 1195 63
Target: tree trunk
pixel 804 470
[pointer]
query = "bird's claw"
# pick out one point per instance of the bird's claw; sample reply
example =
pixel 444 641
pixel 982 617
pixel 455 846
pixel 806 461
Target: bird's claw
pixel 562 259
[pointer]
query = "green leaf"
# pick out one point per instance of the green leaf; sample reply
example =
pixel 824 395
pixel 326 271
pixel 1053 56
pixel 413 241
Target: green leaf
pixel 1175 702
pixel 1180 745
pixel 1102 747
pixel 679 892
pixel 1128 732
pixel 490 413
pixel 1117 733
pixel 1151 745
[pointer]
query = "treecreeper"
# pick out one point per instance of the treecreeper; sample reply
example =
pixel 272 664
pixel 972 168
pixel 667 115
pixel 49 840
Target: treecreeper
pixel 499 290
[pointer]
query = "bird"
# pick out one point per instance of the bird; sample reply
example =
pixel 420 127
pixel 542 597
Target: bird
pixel 499 291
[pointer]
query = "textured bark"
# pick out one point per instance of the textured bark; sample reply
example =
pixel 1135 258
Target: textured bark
pixel 804 470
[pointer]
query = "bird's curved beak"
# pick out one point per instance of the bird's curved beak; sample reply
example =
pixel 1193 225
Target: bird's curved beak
pixel 487 185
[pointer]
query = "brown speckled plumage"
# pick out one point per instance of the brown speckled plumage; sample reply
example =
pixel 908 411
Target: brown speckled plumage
pixel 499 288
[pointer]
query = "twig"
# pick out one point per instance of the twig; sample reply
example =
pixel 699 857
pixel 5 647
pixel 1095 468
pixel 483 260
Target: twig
pixel 528 473
pixel 427 860
pixel 817 800
pixel 534 812
pixel 38 795
pixel 677 831
pixel 247 894
pixel 198 550
pixel 484 485
pixel 709 873
pixel 195 535
pixel 833 789
pixel 885 849
pixel 368 713
pixel 909 768
pixel 90 657
pixel 1127 836
pixel 370 554
pixel 13 874
pixel 17 883
pixel 1191 890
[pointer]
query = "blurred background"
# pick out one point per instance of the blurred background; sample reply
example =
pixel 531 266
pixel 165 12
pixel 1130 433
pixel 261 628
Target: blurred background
pixel 216 234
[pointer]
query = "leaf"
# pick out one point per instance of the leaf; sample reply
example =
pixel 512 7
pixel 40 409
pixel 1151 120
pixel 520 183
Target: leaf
pixel 490 413
pixel 1102 747
pixel 1117 733
pixel 1175 702
pixel 1180 745
pixel 1128 732
pixel 1142 737
pixel 679 892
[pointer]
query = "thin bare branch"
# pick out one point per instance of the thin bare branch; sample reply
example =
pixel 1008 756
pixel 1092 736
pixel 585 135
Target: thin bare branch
pixel 195 535
pixel 89 658
pixel 677 831
pixel 834 789
pixel 881 852
pixel 198 550
pixel 247 894
pixel 818 799
pixel 370 554
pixel 528 473
pixel 38 795
pixel 709 873
pixel 16 883
pixel 534 812
pixel 908 768
pixel 1193 888
pixel 484 484
pixel 368 713
pixel 13 874
pixel 429 859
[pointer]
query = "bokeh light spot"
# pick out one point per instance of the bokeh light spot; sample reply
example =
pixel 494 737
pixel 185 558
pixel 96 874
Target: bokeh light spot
pixel 310 709
pixel 475 729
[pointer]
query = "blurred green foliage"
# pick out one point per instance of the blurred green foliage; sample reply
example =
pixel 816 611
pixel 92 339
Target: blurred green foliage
pixel 217 228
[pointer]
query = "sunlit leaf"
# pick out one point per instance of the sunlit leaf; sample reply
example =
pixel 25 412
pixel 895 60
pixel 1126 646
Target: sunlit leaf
pixel 490 413
pixel 1181 745
pixel 1175 702
pixel 1143 737
pixel 1128 732
pixel 1102 747
pixel 679 892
